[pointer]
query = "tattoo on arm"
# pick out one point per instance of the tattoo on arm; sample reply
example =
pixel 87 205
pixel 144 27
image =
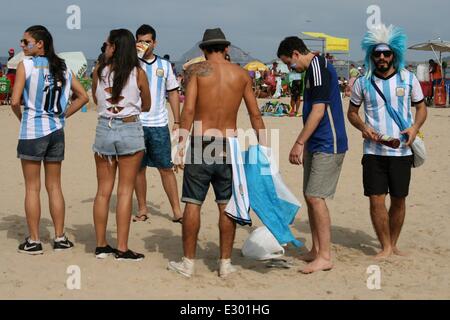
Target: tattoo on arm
pixel 201 69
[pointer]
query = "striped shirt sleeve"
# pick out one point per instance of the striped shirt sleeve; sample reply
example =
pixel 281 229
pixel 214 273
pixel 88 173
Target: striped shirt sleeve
pixel 319 80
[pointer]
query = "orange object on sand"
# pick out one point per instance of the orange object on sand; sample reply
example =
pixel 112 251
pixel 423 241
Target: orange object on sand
pixel 439 95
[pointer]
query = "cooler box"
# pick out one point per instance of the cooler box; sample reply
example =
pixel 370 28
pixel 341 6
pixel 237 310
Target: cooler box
pixel 440 95
pixel 426 88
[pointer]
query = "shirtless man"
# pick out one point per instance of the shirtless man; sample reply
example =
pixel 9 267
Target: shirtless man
pixel 214 92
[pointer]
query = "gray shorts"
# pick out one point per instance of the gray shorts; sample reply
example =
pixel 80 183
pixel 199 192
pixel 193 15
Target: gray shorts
pixel 321 174
pixel 117 138
pixel 49 148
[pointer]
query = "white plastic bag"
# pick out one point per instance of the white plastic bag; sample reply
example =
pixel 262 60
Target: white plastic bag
pixel 419 151
pixel 262 245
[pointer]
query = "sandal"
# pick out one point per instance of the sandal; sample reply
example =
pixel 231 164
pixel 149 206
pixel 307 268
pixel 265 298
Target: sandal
pixel 179 220
pixel 140 218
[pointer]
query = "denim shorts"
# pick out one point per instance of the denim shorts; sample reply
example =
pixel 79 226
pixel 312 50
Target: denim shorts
pixel 117 138
pixel 158 148
pixel 49 148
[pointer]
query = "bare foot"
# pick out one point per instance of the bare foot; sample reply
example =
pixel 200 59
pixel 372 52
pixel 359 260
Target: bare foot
pixel 308 257
pixel 319 264
pixel 384 254
pixel 399 253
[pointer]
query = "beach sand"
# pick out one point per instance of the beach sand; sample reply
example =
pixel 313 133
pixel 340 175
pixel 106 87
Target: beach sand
pixel 425 274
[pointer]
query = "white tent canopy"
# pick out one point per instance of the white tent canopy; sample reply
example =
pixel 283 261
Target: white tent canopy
pixel 14 61
pixel 76 61
pixel 433 45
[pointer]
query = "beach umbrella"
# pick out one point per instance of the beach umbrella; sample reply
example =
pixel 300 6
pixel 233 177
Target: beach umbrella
pixel 255 66
pixel 282 67
pixel 75 61
pixel 193 61
pixel 14 61
pixel 433 45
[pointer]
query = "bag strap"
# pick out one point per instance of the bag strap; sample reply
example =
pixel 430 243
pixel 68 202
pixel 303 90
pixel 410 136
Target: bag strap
pixel 391 111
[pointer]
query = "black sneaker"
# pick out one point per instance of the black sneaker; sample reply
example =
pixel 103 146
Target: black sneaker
pixel 30 247
pixel 128 256
pixel 104 252
pixel 63 244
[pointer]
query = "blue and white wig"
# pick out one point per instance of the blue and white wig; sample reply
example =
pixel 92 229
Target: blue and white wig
pixel 393 36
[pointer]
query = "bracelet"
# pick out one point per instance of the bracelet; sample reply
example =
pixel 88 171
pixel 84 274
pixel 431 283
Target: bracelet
pixel 300 143
pixel 176 122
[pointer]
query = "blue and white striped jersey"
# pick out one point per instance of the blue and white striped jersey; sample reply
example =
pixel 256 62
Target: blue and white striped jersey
pixel 160 79
pixel 45 102
pixel 400 89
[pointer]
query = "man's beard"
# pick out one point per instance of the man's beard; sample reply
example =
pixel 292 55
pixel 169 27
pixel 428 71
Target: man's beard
pixel 382 68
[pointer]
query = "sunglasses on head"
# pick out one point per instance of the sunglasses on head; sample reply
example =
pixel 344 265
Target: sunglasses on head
pixel 377 54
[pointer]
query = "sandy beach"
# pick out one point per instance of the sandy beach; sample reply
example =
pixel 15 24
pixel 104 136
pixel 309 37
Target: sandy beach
pixel 424 274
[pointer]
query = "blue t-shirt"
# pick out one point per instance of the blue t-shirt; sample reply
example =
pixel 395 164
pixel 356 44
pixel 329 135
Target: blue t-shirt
pixel 322 87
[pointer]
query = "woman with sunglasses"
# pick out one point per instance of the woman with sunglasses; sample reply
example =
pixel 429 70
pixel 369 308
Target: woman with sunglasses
pixel 45 83
pixel 121 91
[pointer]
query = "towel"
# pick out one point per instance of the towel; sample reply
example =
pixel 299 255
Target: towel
pixel 270 199
pixel 257 184
pixel 238 208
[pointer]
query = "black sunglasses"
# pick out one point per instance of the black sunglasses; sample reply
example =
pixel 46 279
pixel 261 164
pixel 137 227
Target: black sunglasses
pixel 386 53
pixel 24 41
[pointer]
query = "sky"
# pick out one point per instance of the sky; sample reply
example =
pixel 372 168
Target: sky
pixel 256 26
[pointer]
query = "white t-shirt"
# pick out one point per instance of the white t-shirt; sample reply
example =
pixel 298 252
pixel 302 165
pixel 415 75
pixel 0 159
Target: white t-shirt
pixel 130 97
pixel 161 79
pixel 401 89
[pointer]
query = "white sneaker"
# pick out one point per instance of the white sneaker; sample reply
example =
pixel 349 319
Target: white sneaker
pixel 185 267
pixel 226 268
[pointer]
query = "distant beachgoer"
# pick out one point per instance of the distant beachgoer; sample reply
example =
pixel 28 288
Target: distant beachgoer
pixel 10 54
pixel 158 145
pixel 385 169
pixel 120 90
pixel 45 82
pixel 295 85
pixel 212 101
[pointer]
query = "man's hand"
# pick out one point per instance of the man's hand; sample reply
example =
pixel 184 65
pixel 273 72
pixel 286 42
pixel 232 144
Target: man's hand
pixel 412 133
pixel 179 159
pixel 370 134
pixel 296 154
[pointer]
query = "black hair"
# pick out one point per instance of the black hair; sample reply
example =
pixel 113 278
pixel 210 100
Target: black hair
pixel 57 66
pixel 167 57
pixel 289 44
pixel 146 29
pixel 123 60
pixel 215 48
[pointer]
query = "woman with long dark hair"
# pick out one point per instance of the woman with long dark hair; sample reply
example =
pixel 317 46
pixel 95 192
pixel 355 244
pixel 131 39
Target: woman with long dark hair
pixel 45 83
pixel 121 91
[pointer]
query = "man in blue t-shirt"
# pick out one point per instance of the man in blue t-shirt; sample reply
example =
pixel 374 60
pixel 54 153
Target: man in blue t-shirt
pixel 320 146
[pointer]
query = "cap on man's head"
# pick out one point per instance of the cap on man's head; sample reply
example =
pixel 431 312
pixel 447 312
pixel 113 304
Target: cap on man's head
pixel 11 50
pixel 382 47
pixel 212 37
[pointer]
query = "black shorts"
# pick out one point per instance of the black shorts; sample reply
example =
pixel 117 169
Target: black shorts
pixel 49 148
pixel 207 162
pixel 386 174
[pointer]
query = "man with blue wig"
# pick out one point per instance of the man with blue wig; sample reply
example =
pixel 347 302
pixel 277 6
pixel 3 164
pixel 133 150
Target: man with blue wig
pixel 387 88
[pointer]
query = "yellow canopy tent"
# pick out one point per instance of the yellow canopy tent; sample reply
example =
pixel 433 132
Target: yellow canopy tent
pixel 255 65
pixel 331 43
